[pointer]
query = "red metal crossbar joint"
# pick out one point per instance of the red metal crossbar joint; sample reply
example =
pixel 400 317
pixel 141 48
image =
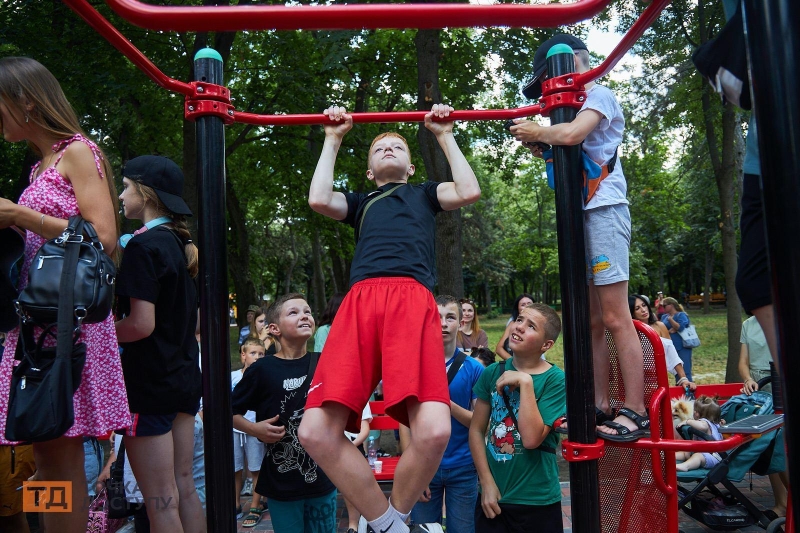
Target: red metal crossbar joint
pixel 209 99
pixel 197 108
pixel 562 91
pixel 576 451
pixel 210 91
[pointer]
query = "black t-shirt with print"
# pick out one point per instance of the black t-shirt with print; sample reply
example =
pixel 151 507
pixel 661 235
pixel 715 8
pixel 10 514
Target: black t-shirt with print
pixel 398 235
pixel 270 387
pixel 162 373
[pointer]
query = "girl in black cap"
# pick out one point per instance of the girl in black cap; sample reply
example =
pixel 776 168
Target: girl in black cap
pixel 157 308
pixel 72 177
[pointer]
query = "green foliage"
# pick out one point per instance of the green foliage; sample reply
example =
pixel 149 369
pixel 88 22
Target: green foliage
pixel 509 236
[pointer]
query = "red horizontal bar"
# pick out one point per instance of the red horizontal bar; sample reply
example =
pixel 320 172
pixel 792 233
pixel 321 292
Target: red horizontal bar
pixel 353 16
pixel 385 117
pixel 118 41
pixel 677 445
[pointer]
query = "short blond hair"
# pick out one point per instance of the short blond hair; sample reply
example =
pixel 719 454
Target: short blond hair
pixel 383 136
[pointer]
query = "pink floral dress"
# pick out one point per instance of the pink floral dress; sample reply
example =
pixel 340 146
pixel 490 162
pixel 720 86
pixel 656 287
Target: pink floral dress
pixel 101 404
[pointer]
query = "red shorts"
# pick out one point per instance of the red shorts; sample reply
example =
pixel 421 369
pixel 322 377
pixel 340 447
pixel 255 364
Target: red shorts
pixel 385 327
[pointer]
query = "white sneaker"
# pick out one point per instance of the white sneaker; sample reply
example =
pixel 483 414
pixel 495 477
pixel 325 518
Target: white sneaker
pixel 430 527
pixel 247 489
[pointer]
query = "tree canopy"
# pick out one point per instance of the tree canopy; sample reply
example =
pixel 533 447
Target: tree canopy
pixel 681 155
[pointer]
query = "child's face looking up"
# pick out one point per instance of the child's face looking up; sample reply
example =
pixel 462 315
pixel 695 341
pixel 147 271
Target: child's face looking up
pixel 528 333
pixel 296 321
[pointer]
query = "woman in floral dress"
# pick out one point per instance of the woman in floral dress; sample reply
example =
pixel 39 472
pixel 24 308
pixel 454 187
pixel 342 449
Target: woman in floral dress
pixel 73 177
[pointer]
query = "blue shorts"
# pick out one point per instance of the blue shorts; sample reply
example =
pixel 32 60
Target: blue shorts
pixel 143 425
pixel 150 425
pixel 309 515
pixel 608 242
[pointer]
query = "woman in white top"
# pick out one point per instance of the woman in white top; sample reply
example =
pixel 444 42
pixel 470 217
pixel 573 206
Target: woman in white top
pixel 641 311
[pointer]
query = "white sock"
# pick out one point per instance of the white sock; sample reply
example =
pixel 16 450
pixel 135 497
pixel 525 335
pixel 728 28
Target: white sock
pixel 389 522
pixel 403 516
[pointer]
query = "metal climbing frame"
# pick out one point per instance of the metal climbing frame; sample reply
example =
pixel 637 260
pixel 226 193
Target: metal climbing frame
pixel 208 103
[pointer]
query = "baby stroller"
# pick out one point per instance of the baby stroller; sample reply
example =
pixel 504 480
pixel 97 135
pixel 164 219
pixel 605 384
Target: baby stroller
pixel 727 508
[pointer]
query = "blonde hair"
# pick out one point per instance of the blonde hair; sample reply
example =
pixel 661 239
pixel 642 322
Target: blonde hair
pixel 667 301
pixel 25 81
pixel 179 224
pixel 383 136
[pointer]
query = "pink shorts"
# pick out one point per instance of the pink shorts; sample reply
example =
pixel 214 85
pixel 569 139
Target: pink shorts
pixel 385 327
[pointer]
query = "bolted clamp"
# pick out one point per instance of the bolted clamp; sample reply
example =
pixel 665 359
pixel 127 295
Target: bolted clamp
pixel 209 99
pixel 576 451
pixel 561 91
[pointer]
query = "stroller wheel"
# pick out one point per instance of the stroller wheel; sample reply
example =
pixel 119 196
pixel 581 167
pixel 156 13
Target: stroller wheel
pixel 775 525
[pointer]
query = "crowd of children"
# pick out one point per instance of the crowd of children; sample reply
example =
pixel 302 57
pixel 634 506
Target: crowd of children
pixel 299 416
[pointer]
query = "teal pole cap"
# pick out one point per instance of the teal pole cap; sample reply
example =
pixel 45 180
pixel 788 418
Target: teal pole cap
pixel 207 53
pixel 559 49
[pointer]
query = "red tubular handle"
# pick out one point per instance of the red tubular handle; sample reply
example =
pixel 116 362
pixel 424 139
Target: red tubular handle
pixel 113 36
pixel 394 116
pixel 353 16
pixel 644 21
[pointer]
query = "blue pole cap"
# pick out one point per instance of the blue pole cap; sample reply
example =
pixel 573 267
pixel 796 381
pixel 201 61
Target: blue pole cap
pixel 207 53
pixel 559 49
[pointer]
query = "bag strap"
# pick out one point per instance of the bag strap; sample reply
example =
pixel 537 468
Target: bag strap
pixel 299 400
pixel 384 194
pixel 507 401
pixel 118 467
pixel 72 237
pixel 455 366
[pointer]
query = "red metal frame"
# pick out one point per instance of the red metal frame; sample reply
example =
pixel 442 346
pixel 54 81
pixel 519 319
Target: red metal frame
pixel 230 18
pixel 576 451
pixel 353 16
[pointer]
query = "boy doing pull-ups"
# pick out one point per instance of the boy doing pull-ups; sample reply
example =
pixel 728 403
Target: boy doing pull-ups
pixel 388 325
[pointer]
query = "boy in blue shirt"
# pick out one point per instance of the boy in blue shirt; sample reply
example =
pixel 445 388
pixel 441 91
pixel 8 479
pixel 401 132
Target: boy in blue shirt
pixel 455 481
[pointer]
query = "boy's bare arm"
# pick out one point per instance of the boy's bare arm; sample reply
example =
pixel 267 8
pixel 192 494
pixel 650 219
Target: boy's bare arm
pixel 464 416
pixel 265 431
pixel 464 188
pixel 321 196
pixel 490 494
pixel 532 429
pixel 566 134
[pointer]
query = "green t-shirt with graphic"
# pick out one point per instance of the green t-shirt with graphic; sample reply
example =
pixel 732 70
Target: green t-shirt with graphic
pixel 526 477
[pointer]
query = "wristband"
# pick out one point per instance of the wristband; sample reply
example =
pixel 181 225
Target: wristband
pixel 684 378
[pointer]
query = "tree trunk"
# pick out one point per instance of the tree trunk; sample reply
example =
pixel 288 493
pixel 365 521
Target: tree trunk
pixel 287 280
pixel 448 223
pixel 709 271
pixel 318 276
pixel 724 164
pixel 239 254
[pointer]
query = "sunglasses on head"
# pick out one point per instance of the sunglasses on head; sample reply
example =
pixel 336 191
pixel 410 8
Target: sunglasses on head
pixel 466 301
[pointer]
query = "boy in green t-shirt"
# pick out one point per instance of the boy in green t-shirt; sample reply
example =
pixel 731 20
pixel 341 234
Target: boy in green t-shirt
pixel 517 463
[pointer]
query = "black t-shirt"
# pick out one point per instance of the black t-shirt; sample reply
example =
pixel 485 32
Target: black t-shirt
pixel 398 235
pixel 270 387
pixel 162 373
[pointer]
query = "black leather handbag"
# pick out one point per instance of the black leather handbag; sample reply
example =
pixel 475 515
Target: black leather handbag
pixel 93 286
pixel 40 405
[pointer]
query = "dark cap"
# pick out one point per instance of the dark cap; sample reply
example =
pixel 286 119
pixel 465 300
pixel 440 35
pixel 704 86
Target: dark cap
pixel 163 176
pixel 253 308
pixel 533 89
